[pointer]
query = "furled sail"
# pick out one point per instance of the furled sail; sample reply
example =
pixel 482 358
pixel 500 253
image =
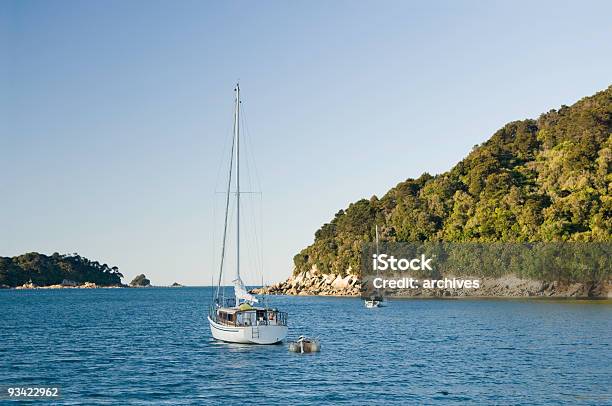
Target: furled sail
pixel 241 292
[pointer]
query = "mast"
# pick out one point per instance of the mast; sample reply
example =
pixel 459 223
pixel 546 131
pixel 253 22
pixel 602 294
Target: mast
pixel 377 253
pixel 377 239
pixel 237 135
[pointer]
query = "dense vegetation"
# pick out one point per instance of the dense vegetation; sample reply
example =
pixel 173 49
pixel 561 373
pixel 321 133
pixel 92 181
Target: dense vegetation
pixel 45 270
pixel 533 180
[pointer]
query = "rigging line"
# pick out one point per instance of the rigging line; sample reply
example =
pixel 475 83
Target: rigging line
pixel 247 152
pixel 230 223
pixel 253 240
pixel 253 249
pixel 261 230
pixel 256 226
pixel 248 140
pixel 213 245
pixel 227 201
pixel 257 239
pixel 251 230
pixel 251 162
pixel 220 165
pixel 246 207
pixel 249 252
pixel 247 240
pixel 223 154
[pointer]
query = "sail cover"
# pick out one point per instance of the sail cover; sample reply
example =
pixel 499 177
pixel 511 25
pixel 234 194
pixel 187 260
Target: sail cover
pixel 241 292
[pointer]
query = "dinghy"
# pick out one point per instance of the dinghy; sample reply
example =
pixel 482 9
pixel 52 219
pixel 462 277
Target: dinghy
pixel 304 344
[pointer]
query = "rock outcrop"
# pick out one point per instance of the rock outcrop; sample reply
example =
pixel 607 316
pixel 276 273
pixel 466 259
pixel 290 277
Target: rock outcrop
pixel 140 281
pixel 314 283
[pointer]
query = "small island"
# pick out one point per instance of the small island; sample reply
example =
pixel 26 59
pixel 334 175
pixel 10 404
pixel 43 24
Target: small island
pixel 140 281
pixel 35 270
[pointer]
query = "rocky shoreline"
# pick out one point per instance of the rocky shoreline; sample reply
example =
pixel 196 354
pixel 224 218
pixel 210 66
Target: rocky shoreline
pixel 312 283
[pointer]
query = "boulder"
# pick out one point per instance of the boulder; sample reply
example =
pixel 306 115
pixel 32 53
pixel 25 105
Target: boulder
pixel 341 283
pixel 140 281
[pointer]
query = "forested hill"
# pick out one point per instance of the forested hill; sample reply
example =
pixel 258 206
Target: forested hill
pixel 546 179
pixel 45 270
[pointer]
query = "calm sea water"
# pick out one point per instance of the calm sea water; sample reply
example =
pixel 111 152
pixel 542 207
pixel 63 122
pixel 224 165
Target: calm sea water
pixel 131 346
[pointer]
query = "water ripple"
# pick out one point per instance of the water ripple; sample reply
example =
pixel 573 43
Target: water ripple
pixel 143 346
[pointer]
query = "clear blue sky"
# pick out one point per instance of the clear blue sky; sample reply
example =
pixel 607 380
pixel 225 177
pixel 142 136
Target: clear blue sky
pixel 114 115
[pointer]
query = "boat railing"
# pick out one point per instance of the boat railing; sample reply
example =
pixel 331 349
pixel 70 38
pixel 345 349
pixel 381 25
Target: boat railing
pixel 250 318
pixel 281 318
pixel 253 319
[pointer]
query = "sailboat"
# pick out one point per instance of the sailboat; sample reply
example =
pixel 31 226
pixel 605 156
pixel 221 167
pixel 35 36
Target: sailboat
pixel 239 319
pixel 374 300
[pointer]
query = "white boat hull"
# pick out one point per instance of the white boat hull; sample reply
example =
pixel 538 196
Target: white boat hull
pixel 371 304
pixel 262 334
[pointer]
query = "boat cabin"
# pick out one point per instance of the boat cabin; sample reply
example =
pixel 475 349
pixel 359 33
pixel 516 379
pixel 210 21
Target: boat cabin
pixel 246 315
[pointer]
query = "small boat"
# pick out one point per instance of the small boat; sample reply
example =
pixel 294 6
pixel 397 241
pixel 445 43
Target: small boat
pixel 372 303
pixel 305 344
pixel 377 300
